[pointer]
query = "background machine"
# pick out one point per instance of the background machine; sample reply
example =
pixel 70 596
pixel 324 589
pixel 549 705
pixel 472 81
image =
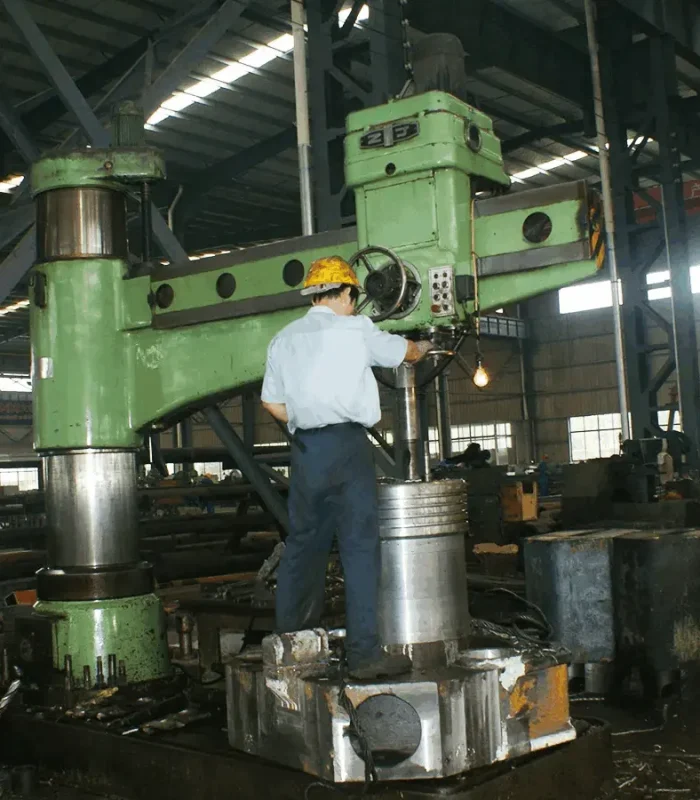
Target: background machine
pixel 118 346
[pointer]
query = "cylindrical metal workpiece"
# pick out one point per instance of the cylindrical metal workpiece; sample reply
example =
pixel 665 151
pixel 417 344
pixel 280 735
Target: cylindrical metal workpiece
pixel 423 606
pixel 86 222
pixel 91 507
pixel 408 422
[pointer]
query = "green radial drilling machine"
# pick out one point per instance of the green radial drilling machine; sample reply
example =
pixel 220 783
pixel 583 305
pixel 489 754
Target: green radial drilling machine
pixel 117 348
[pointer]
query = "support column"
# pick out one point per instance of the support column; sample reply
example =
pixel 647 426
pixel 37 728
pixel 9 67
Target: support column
pixel 407 441
pixel 685 344
pixel 662 245
pixel 335 88
pixel 443 414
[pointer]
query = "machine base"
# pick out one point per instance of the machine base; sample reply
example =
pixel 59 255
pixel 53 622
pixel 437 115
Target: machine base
pixel 198 764
pixel 131 630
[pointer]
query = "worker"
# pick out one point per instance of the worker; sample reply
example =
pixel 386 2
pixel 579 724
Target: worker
pixel 319 382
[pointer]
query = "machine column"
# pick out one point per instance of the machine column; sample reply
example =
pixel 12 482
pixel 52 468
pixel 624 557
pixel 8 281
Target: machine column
pixel 108 626
pixel 408 423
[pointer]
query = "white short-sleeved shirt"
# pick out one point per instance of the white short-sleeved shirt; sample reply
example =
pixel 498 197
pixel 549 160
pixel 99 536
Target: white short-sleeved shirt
pixel 320 367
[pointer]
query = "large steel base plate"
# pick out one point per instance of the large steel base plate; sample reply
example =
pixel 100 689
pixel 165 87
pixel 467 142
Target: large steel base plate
pixel 200 764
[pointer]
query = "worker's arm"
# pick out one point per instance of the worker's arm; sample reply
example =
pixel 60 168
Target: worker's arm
pixel 272 394
pixel 416 350
pixel 278 411
pixel 389 350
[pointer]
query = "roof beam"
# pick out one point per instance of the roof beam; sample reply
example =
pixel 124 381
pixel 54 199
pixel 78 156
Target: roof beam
pixel 236 165
pixel 16 130
pixel 22 258
pixel 88 15
pixel 494 36
pixel 55 71
pixel 192 54
pixel 52 109
pixel 536 134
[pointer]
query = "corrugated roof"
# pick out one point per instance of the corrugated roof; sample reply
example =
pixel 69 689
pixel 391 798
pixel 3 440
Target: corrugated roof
pixel 260 104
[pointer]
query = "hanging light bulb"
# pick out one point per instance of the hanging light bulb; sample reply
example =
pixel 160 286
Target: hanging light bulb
pixel 480 378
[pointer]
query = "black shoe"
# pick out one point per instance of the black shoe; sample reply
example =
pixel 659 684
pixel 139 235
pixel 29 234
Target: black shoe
pixel 385 666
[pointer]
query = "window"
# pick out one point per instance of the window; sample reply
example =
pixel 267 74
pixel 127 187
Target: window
pixel 491 436
pixel 210 468
pixel 26 480
pixel 15 383
pixel 585 297
pixel 594 436
pixel 663 416
pixel 387 434
pixel 598 294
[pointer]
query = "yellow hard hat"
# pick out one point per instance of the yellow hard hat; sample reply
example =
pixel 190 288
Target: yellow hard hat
pixel 328 273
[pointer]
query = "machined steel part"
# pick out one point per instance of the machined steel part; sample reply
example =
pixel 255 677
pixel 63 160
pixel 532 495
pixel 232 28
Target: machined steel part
pixel 423 606
pixel 490 706
pixel 91 507
pixel 103 584
pixel 408 428
pixel 84 222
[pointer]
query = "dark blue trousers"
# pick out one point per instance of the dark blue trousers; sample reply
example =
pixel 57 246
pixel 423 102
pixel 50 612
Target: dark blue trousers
pixel 333 492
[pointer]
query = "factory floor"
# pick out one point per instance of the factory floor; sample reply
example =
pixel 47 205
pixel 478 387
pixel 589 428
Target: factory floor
pixel 656 748
pixel 656 753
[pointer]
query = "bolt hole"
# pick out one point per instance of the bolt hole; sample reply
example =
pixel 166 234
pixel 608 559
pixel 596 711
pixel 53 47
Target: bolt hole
pixel 225 285
pixel 390 169
pixel 165 294
pixel 293 272
pixel 537 227
pixel 473 137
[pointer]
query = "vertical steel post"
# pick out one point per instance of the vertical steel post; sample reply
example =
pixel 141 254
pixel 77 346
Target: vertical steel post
pixel 685 345
pixel 406 446
pixel 443 414
pixel 334 91
pixel 609 213
pixel 301 94
pixel 615 41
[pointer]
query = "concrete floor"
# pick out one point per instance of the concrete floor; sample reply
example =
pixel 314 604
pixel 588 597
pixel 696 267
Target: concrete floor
pixel 656 750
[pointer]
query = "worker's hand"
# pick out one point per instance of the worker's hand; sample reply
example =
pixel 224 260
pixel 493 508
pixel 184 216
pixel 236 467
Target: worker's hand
pixel 418 350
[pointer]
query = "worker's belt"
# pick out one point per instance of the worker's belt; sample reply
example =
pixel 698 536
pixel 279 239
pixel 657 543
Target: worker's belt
pixel 296 439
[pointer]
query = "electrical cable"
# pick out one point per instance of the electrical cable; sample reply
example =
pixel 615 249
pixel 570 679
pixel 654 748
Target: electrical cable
pixel 355 729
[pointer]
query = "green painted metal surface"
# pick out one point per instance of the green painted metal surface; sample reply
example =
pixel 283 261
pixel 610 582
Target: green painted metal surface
pixel 107 168
pixel 81 366
pixel 503 233
pixel 176 368
pixel 415 196
pixel 441 143
pixel 256 278
pixel 133 629
pixel 502 290
pixel 104 365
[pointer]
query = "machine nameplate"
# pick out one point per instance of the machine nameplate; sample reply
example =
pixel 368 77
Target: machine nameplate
pixel 389 135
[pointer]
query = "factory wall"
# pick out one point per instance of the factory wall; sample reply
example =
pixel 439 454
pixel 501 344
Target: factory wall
pixel 573 371
pixel 573 361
